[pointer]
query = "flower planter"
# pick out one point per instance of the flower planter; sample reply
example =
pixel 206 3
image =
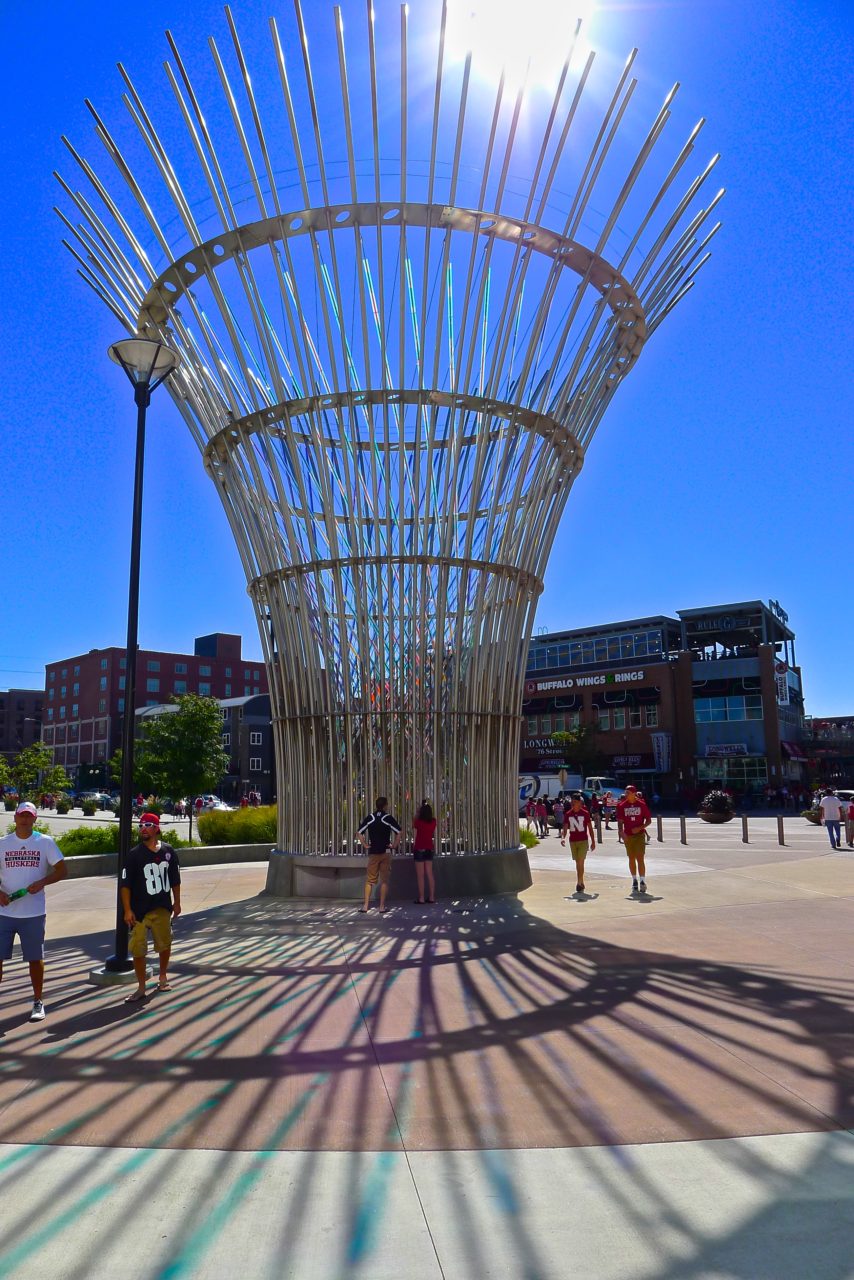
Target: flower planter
pixel 716 817
pixel 814 818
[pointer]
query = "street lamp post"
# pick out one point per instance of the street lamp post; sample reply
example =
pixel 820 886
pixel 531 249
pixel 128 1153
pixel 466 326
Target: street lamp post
pixel 147 363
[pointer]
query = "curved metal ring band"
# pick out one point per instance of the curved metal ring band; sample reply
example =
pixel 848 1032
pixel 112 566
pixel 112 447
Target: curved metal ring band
pixel 219 445
pixel 186 271
pixel 527 581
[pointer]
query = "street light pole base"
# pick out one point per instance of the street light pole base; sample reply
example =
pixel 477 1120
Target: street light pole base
pixel 101 976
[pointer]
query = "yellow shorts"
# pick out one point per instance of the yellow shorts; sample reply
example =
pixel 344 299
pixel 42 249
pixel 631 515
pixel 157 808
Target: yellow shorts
pixel 636 844
pixel 379 867
pixel 578 848
pixel 159 921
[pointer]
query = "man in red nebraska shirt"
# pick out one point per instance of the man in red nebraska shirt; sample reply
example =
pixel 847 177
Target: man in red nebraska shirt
pixel 634 817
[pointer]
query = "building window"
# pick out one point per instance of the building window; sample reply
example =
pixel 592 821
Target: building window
pixel 228 690
pixel 204 688
pixel 102 705
pixel 651 715
pixel 102 684
pixel 225 713
pixel 255 738
pixel 151 702
pixel 531 728
pixel 152 665
pixel 50 713
pixel 180 686
pixel 64 672
pixel 745 706
pixel 122 682
pixel 246 691
pixel 75 710
pixel 573 720
pixel 204 671
pixel 245 675
pixel 557 721
pixel 742 773
pixel 123 664
pixel 254 764
pixel 62 691
pixel 180 668
pixel 635 718
pixel 62 713
pixel 604 720
pixel 228 671
pixel 75 688
pixel 255 675
pixel 152 686
pixel 77 671
pixel 256 689
pixel 546 725
pixel 103 664
pixel 51 675
pixel 50 694
pixel 226 739
pixel 619 714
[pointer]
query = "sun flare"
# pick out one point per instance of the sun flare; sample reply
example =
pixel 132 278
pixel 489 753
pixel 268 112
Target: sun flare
pixel 526 41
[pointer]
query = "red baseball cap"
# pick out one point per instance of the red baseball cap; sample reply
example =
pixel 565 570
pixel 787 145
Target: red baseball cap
pixel 151 819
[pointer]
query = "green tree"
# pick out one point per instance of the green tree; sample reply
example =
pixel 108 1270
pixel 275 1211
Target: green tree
pixel 580 752
pixel 115 767
pixel 56 779
pixel 27 766
pixel 180 752
pixel 5 773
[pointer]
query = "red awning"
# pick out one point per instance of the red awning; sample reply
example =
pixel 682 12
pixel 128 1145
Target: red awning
pixel 793 750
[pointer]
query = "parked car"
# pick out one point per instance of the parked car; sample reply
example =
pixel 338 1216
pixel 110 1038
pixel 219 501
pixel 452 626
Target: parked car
pixel 102 800
pixel 213 802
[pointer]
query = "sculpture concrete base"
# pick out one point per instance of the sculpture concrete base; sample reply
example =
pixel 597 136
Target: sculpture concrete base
pixel 464 875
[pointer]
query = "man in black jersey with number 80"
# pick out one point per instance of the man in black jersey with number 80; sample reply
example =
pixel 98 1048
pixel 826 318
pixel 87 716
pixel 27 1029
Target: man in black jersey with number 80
pixel 151 896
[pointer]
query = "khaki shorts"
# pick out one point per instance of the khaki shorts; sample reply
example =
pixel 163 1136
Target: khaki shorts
pixel 379 867
pixel 159 921
pixel 578 848
pixel 636 844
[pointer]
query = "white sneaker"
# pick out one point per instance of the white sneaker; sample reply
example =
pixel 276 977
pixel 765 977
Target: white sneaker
pixel 37 1014
pixel 634 886
pixel 642 886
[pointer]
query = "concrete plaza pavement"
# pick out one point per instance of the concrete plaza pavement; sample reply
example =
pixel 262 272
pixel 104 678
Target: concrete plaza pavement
pixel 548 1087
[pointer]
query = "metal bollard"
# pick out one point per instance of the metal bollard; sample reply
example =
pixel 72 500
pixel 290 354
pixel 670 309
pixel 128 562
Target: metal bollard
pixel 744 839
pixel 683 832
pixel 598 821
pixel 780 839
pixel 660 828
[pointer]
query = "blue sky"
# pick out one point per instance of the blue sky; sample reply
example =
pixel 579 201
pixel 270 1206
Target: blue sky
pixel 722 471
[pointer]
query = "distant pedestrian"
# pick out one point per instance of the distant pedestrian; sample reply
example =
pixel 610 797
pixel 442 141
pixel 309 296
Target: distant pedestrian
pixel 150 890
pixel 244 801
pixel 557 814
pixel 423 847
pixel 28 862
pixel 542 818
pixel 379 833
pixel 634 817
pixel 530 813
pixel 849 824
pixel 579 829
pixel 830 807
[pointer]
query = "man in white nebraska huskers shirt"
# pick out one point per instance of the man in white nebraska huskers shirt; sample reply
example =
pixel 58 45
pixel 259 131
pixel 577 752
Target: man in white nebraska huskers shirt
pixel 28 861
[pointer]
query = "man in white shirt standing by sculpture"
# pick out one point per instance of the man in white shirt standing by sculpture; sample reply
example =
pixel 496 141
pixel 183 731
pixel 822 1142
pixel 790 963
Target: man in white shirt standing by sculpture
pixel 28 862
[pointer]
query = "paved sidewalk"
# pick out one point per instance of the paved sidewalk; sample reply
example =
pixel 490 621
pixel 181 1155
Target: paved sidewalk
pixel 601 1087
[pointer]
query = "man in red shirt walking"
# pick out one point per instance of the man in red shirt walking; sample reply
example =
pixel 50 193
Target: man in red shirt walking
pixel 634 817
pixel 579 828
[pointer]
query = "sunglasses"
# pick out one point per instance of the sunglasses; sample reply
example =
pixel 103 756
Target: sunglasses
pixel 147 824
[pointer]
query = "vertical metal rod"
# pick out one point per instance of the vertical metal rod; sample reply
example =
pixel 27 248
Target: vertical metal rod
pixel 118 962
pixel 659 824
pixel 683 833
pixel 780 833
pixel 744 836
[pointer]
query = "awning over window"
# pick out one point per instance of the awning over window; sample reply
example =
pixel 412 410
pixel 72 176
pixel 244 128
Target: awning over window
pixel 793 750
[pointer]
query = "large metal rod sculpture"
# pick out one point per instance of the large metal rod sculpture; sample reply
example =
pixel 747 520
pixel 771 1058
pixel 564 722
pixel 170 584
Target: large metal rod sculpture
pixel 392 362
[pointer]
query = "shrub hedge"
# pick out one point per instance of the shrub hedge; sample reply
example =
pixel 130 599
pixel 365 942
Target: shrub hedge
pixel 527 838
pixel 240 826
pixel 105 839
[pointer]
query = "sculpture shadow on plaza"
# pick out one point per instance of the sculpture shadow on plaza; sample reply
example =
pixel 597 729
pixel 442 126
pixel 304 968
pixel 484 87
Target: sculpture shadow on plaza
pixel 471 1028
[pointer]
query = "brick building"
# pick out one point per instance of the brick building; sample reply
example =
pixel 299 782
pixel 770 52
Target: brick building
pixel 20 720
pixel 84 695
pixel 712 697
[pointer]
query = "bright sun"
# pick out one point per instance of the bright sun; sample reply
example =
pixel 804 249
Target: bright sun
pixel 516 36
